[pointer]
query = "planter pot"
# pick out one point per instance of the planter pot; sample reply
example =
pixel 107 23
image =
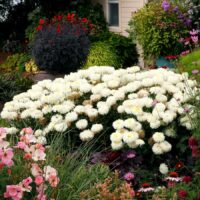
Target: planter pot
pixel 163 62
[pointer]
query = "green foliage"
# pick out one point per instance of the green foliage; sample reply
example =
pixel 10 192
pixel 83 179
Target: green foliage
pixel 73 170
pixel 33 18
pixel 156 30
pixel 16 62
pixel 102 54
pixel 124 46
pixel 12 84
pixel 189 62
pixel 94 13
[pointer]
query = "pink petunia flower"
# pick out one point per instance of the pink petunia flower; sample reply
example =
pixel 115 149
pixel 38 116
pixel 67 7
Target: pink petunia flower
pixel 53 181
pixel 129 176
pixel 6 156
pixel 13 191
pixel 39 180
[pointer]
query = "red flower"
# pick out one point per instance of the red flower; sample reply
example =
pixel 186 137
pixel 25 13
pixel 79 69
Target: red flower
pixel 187 179
pixel 137 194
pixel 39 28
pixel 164 67
pixel 179 165
pixel 173 174
pixel 41 22
pixel 193 143
pixel 58 29
pixel 70 17
pixel 59 17
pixel 55 17
pixel 84 20
pixel 92 26
pixel 182 194
pixel 9 171
pixel 146 185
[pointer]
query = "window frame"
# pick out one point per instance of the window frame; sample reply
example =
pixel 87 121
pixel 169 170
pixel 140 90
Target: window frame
pixel 111 27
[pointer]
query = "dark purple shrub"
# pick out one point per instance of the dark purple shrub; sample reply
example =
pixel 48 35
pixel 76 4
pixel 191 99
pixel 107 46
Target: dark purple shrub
pixel 61 47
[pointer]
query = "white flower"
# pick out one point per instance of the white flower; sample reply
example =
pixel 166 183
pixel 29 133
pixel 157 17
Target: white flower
pixel 120 109
pixel 60 127
pixel 38 133
pixel 158 137
pixel 129 137
pixel 161 98
pixel 163 168
pixel 86 135
pixel 41 140
pixel 71 116
pixel 157 149
pixel 118 124
pixel 166 146
pixel 113 83
pixel 116 137
pixel 96 128
pixel 81 124
pixel 130 123
pixel 11 130
pixel 170 132
pixel 103 110
pixel 111 100
pixel 139 142
pixel 116 145
pixel 160 107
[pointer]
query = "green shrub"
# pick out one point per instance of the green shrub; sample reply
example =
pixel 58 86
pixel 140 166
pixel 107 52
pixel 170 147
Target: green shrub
pixel 102 54
pixel 12 84
pixel 158 30
pixel 16 62
pixel 125 49
pixel 62 45
pixel 189 62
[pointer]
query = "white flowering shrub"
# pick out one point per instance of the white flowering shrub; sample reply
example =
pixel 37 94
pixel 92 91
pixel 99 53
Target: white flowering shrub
pixel 132 108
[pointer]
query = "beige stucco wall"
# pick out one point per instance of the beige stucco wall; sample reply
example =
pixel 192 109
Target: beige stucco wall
pixel 126 9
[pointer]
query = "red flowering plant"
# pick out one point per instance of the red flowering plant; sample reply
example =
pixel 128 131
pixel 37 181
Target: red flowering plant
pixel 61 44
pixel 23 168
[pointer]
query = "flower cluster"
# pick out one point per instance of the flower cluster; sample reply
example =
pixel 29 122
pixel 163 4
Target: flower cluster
pixel 181 16
pixel 60 20
pixel 34 155
pixel 155 99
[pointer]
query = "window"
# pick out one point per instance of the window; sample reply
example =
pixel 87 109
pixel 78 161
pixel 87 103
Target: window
pixel 113 12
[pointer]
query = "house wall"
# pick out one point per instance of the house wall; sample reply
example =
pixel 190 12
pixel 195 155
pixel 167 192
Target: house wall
pixel 126 9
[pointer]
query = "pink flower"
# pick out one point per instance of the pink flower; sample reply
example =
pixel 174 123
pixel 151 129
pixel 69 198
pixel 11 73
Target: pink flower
pixel 129 176
pixel 39 180
pixel 49 171
pixel 2 133
pixel 195 39
pixel 53 181
pixel 13 191
pixel 185 52
pixel 38 155
pixel 41 197
pixel 26 182
pixel 194 32
pixel 6 156
pixel 4 144
pixel 21 145
pixel 195 71
pixel 36 170
pixel 28 130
